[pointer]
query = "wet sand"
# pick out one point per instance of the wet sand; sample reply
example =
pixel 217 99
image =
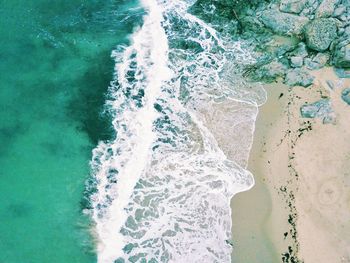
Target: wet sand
pixel 300 205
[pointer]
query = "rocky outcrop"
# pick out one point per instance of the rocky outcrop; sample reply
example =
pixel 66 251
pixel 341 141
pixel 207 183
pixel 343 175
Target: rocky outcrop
pixel 290 37
pixel 320 33
pixel 283 23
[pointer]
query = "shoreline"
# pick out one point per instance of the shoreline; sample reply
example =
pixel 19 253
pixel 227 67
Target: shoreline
pixel 278 219
pixel 254 206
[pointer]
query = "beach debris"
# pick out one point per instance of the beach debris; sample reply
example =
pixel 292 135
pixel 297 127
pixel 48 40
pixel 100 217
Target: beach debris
pixel 304 128
pixel 345 95
pixel 330 84
pixel 318 109
pixel 320 33
pixel 298 77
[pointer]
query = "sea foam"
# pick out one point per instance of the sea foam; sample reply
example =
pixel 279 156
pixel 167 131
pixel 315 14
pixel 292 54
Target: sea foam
pixel 163 186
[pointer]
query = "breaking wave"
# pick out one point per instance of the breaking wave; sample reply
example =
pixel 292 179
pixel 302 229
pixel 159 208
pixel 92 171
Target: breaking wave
pixel 184 120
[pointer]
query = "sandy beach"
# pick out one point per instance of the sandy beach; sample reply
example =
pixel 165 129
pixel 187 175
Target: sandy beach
pixel 299 209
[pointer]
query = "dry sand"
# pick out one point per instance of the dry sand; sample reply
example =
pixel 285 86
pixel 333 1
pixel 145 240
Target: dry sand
pixel 300 205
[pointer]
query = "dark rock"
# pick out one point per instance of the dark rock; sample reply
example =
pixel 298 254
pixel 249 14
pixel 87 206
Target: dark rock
pixel 321 108
pixel 292 6
pixel 319 33
pixel 298 77
pixel 283 23
pixel 345 95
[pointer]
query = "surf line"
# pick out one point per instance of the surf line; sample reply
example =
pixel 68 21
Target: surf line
pixel 151 45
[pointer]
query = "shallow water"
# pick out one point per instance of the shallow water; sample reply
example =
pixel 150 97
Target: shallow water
pixel 55 68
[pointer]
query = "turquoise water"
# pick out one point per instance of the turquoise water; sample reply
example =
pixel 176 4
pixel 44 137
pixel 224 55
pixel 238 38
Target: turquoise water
pixel 55 69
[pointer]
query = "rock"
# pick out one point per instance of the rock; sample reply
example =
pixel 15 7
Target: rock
pixel 347 30
pixel 344 17
pixel 341 56
pixel 310 9
pixel 283 23
pixel 321 108
pixel 283 48
pixel 252 24
pixel 326 8
pixel 309 64
pixel 346 3
pixel 342 72
pixel 321 58
pixel 300 51
pixel 339 11
pixel 298 77
pixel 296 62
pixel 319 33
pixel 345 95
pixel 292 6
pixel 319 61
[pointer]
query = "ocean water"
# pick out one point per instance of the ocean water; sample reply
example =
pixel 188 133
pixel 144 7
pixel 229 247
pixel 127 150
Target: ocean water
pixel 183 119
pixel 55 69
pixel 125 127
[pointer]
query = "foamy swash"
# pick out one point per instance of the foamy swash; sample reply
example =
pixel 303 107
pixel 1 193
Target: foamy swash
pixel 163 186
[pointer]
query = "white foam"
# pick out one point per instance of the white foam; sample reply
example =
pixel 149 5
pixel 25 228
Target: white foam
pixel 164 185
pixel 151 47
